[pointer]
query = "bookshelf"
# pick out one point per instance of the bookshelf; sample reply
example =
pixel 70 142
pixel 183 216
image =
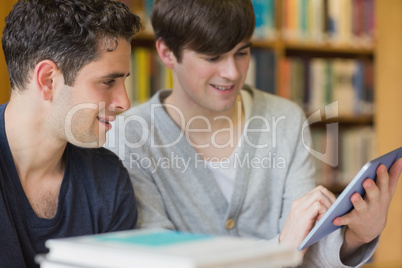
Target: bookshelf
pixel 386 54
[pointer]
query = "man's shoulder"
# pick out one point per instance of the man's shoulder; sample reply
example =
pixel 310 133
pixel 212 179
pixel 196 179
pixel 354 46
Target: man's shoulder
pixel 264 101
pixel 97 160
pixel 143 110
pixel 100 153
pixel 3 107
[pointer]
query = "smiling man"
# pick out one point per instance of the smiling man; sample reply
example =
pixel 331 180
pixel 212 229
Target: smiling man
pixel 247 172
pixel 67 63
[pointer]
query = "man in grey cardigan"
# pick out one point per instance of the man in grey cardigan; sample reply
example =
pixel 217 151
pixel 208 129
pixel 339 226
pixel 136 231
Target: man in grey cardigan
pixel 215 156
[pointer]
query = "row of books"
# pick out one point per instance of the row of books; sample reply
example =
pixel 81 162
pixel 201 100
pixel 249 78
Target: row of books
pixel 350 22
pixel 341 152
pixel 147 75
pixel 262 70
pixel 156 248
pixel 314 83
pixel 265 27
pixel 343 22
pixel 264 13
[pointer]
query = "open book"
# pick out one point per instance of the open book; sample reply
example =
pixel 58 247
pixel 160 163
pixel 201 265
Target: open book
pixel 165 249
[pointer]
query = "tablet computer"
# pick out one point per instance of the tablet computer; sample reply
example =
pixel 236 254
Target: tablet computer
pixel 342 204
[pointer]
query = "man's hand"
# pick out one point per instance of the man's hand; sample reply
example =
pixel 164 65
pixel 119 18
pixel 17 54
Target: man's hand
pixel 303 215
pixel 368 218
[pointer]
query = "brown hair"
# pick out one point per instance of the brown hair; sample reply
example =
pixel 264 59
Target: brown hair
pixel 67 32
pixel 209 27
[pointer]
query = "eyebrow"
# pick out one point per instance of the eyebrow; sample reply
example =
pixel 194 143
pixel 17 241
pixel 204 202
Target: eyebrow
pixel 115 75
pixel 245 46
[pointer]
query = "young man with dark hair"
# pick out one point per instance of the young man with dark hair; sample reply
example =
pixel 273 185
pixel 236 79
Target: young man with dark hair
pixel 67 62
pixel 215 156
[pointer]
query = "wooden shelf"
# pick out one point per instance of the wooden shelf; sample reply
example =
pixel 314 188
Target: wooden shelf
pixel 346 119
pixel 145 35
pixel 143 39
pixel 273 43
pixel 329 48
pixel 314 47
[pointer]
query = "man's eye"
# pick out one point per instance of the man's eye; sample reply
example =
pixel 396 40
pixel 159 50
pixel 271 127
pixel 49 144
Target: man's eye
pixel 212 59
pixel 109 82
pixel 242 53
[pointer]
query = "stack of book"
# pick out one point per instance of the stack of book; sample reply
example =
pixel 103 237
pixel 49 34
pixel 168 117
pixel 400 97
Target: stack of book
pixel 165 249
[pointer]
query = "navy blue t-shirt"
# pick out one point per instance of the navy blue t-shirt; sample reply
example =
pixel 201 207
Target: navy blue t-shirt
pixel 96 196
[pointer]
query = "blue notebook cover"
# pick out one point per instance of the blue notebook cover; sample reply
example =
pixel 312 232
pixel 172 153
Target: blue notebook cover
pixel 152 239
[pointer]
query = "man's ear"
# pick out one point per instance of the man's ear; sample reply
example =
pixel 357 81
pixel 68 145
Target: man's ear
pixel 44 73
pixel 165 54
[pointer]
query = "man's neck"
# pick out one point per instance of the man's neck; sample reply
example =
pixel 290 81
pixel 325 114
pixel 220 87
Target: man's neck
pixel 33 149
pixel 38 157
pixel 212 134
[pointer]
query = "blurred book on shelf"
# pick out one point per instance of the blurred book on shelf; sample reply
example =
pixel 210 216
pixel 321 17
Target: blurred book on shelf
pixel 147 75
pixel 261 72
pixel 339 22
pixel 349 150
pixel 314 83
pixel 265 27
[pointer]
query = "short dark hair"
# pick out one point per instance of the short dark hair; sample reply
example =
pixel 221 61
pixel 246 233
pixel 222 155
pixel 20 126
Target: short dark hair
pixel 209 27
pixel 68 32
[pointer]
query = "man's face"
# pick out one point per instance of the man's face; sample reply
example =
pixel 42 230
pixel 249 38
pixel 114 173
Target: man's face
pixel 97 94
pixel 211 83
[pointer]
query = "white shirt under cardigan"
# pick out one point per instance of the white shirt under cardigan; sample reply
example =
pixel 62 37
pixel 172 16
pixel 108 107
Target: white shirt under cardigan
pixel 224 172
pixel 175 190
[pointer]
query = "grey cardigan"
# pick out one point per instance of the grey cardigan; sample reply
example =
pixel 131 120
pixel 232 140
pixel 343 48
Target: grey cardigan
pixel 175 190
